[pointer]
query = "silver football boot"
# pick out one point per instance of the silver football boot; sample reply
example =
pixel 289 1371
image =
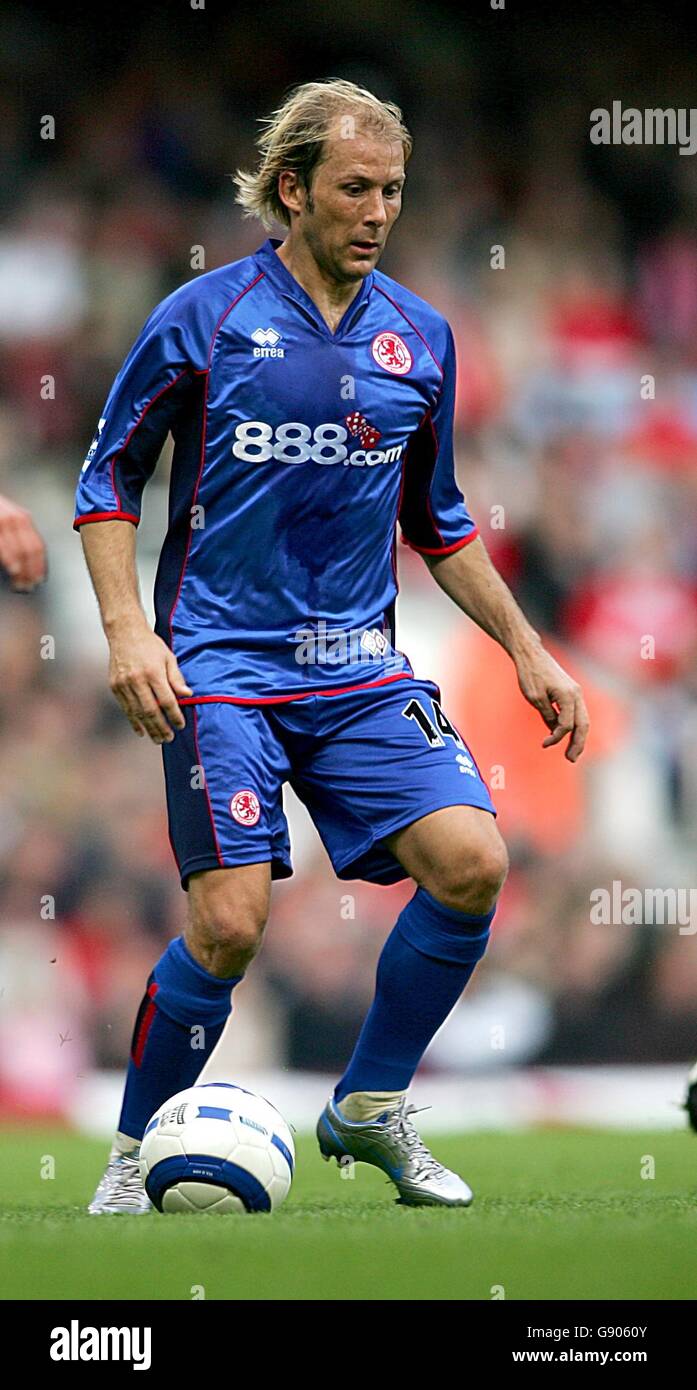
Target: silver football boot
pixel 121 1191
pixel 392 1143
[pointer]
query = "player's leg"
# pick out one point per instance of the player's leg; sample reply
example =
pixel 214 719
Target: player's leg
pixel 459 861
pixel 186 1004
pixel 408 800
pixel 224 774
pixel 457 854
pixel 188 996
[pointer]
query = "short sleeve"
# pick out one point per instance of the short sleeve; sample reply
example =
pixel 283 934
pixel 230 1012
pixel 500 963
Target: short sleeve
pixel 141 408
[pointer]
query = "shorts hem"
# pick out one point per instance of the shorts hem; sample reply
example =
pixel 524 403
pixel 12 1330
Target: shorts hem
pixel 280 867
pixel 399 824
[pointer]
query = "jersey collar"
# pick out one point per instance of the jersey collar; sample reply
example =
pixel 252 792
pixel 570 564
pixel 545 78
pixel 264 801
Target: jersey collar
pixel 287 284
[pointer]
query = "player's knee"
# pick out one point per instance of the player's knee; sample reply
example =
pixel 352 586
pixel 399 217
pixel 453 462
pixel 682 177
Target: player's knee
pixel 493 870
pixel 226 928
pixel 471 880
pixel 226 940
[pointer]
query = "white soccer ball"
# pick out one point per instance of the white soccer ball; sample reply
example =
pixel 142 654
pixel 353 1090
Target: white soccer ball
pixel 217 1147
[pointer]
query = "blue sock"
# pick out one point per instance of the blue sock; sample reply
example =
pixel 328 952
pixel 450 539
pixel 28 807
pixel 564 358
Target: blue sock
pixel 179 1022
pixel 423 968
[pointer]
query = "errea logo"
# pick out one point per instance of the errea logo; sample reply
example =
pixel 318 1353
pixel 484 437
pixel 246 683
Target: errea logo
pixel 93 446
pixel 266 340
pixel 466 764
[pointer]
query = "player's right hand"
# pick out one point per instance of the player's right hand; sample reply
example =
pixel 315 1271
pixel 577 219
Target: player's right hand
pixel 146 681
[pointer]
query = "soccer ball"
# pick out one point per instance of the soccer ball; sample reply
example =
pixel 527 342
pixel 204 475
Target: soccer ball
pixel 217 1147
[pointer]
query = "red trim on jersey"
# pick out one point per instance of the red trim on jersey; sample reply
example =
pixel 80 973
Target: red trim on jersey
pixel 436 447
pixel 428 420
pixel 401 481
pixel 393 547
pixel 411 325
pixel 208 799
pixel 163 390
pixel 448 550
pixel 204 422
pixel 146 1025
pixel 430 467
pixel 393 562
pixel 283 699
pixel 105 516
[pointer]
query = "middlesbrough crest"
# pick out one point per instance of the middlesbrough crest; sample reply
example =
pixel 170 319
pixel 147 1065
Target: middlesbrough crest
pixel 244 807
pixel 391 352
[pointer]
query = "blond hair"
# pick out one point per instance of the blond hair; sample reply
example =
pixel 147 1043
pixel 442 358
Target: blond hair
pixel 294 138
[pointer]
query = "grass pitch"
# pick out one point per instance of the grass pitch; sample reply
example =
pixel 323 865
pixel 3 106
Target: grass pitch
pixel 557 1215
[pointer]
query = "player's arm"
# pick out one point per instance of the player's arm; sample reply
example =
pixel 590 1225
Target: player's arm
pixel 475 585
pixel 22 551
pixel 146 400
pixel 143 671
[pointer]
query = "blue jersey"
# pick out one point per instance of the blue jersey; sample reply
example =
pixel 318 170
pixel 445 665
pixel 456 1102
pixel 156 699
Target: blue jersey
pixel 296 453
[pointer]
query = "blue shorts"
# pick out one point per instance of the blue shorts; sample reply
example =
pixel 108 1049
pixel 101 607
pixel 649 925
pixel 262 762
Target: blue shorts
pixel 365 763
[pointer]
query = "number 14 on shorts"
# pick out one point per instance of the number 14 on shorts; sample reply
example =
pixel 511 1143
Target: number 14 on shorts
pixel 435 730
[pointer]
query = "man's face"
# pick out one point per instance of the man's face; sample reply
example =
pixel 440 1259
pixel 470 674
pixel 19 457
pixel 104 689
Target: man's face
pixel 355 197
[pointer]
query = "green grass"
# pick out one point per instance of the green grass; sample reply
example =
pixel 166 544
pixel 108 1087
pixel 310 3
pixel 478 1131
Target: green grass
pixel 557 1215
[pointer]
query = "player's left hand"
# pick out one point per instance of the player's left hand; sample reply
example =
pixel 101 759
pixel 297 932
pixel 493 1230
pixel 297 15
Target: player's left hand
pixel 558 697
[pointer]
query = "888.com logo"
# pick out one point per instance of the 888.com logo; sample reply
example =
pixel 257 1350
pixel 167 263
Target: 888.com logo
pixel 293 442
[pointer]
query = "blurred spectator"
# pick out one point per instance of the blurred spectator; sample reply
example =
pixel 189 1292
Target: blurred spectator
pixel 584 487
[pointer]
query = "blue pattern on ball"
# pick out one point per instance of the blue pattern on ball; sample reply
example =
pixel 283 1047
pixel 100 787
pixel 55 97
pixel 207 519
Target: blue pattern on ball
pixel 219 1172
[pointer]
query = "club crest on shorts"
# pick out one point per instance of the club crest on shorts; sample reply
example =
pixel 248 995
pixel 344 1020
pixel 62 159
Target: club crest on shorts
pixel 245 808
pixel 391 352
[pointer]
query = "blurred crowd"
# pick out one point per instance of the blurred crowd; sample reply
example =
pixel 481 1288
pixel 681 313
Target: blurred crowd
pixel 569 275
